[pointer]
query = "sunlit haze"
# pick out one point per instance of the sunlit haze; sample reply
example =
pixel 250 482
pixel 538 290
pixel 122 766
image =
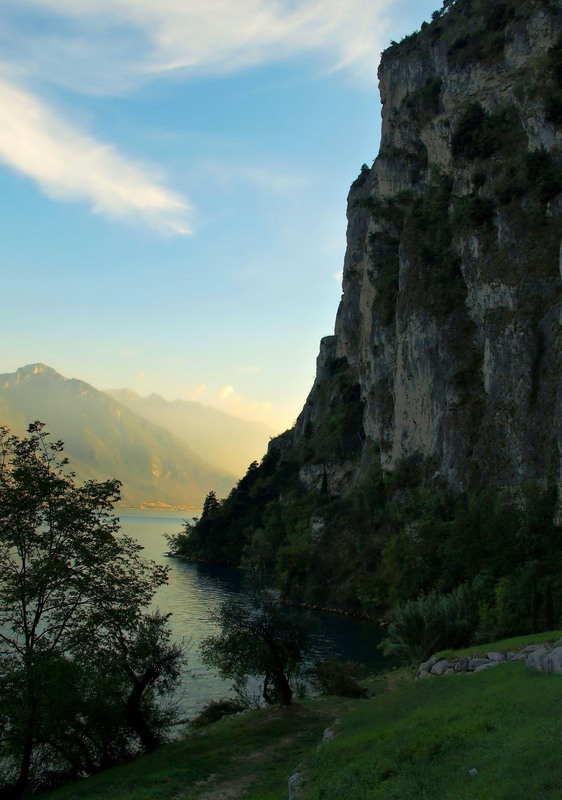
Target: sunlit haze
pixel 174 180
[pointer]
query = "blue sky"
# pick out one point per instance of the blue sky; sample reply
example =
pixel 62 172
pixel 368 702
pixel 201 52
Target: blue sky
pixel 173 182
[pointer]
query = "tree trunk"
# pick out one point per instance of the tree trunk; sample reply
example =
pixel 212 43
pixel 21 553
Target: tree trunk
pixel 282 687
pixel 25 766
pixel 135 718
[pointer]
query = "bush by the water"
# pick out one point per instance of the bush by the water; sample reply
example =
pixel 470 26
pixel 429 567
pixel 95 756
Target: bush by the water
pixel 429 623
pixel 215 710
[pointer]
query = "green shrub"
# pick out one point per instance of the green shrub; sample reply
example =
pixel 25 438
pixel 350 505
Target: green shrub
pixel 545 174
pixel 430 623
pixel 478 134
pixel 215 710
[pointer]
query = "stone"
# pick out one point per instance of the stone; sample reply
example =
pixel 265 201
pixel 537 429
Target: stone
pixel 536 657
pixel 486 665
pixel 295 785
pixel 493 656
pixel 474 663
pixel 440 667
pixel 473 772
pixel 462 664
pixel 516 656
pixel 330 732
pixel 427 665
pixel 553 661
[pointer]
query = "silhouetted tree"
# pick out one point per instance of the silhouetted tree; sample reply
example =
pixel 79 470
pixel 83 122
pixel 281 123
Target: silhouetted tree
pixel 259 638
pixel 80 661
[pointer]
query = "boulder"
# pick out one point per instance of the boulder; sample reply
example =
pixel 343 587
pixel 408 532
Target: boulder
pixel 493 656
pixel 440 667
pixel 474 663
pixel 427 665
pixel 486 665
pixel 553 661
pixel 536 657
pixel 295 785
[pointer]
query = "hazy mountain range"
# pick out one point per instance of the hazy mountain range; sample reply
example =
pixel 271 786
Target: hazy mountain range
pixel 106 438
pixel 225 441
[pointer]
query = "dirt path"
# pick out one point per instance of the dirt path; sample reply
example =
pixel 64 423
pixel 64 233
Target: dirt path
pixel 248 766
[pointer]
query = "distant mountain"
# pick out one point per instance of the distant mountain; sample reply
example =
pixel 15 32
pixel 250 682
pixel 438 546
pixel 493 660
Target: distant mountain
pixel 226 441
pixel 105 439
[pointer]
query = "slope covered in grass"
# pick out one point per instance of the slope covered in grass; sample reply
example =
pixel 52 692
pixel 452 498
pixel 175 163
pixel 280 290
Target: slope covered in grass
pixel 413 740
pixel 421 740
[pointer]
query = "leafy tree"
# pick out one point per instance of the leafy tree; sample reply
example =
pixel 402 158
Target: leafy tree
pixel 258 638
pixel 80 661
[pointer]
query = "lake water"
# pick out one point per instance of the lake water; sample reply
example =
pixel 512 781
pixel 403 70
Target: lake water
pixel 195 591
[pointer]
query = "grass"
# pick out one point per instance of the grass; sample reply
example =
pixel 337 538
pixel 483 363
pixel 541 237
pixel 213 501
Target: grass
pixel 413 740
pixel 504 645
pixel 254 752
pixel 420 740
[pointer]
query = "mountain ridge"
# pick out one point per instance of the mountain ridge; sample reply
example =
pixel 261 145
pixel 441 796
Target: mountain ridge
pixel 103 438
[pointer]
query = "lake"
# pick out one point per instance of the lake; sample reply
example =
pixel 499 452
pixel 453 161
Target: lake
pixel 195 591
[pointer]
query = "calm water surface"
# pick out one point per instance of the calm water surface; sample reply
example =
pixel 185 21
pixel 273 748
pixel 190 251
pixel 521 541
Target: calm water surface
pixel 195 591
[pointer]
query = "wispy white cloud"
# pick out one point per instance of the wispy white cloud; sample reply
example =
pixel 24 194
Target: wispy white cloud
pixel 71 165
pixel 209 35
pixel 111 46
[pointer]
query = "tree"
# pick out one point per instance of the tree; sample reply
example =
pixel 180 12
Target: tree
pixel 80 658
pixel 258 638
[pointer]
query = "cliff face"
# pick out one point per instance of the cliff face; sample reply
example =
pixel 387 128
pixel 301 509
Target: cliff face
pixel 450 321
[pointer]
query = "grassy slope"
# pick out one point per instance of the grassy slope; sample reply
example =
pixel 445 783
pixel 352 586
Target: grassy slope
pixel 411 741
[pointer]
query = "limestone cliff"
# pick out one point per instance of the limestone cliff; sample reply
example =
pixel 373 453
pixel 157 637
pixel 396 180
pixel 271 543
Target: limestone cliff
pixel 427 457
pixel 449 327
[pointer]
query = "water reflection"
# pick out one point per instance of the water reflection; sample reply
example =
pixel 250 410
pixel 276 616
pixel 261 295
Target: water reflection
pixel 195 591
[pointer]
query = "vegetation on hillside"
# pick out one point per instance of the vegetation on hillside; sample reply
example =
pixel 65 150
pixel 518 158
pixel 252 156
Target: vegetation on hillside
pixel 394 537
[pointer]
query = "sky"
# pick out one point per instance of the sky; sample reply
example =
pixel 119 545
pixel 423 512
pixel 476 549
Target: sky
pixel 173 183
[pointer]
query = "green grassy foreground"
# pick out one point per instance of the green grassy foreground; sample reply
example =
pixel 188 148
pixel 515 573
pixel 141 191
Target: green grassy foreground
pixel 411 741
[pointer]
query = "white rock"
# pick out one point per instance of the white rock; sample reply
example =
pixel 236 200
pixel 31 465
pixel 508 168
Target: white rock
pixel 440 667
pixel 474 663
pixel 553 661
pixel 487 665
pixel 493 656
pixel 536 657
pixel 295 785
pixel 516 656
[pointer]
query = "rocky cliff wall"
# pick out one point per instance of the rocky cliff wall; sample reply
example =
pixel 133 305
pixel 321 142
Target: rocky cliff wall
pixel 450 319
